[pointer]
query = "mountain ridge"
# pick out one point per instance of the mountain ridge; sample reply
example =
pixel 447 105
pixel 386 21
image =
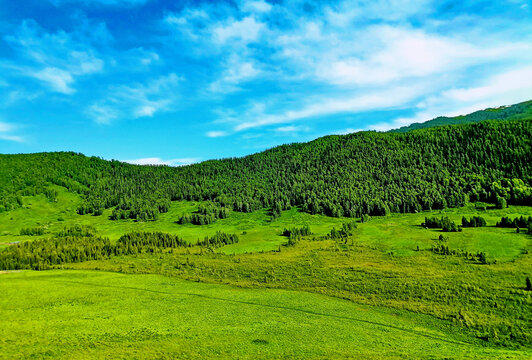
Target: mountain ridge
pixel 520 110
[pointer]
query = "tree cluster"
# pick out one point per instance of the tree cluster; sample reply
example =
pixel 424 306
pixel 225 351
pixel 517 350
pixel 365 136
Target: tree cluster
pixel 295 234
pixel 475 221
pixel 79 244
pixel 219 239
pixel 479 257
pixel 42 254
pixel 206 214
pixel 147 242
pixel 32 231
pixel 77 230
pixel 519 222
pixel 345 231
pixel 444 223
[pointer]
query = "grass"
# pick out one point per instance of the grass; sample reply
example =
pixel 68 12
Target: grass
pixel 485 301
pixel 101 315
pixel 398 233
pixel 380 265
pixel 402 233
pixel 260 233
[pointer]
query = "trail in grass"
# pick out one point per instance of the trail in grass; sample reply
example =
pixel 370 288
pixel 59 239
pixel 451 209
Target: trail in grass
pixel 316 313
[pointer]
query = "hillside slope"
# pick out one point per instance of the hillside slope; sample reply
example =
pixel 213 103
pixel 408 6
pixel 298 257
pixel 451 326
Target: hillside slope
pixel 512 112
pixel 352 175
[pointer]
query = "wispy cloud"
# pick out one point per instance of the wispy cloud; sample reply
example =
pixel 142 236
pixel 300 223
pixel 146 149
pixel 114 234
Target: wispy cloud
pixel 256 6
pixel 55 59
pixel 500 89
pixel 341 57
pixel 58 79
pixel 136 101
pixel 291 129
pixel 404 53
pixel 159 161
pixel 6 132
pixel 236 71
pixel 377 100
pixel 215 134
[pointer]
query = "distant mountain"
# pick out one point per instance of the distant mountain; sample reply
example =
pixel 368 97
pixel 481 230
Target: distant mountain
pixel 512 112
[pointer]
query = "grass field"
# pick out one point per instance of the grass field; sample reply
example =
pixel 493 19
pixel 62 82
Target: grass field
pixel 399 233
pixel 261 234
pixel 97 315
pixel 259 298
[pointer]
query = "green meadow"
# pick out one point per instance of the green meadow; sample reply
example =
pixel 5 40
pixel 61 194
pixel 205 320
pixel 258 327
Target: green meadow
pixel 400 234
pixel 381 293
pixel 100 315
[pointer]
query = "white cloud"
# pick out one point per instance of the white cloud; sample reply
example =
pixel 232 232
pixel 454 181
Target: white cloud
pixel 102 114
pixel 6 132
pixel 509 86
pixel 159 161
pixel 383 54
pixel 377 100
pixel 236 71
pixel 345 13
pixel 256 6
pixel 59 80
pixel 149 58
pixel 215 134
pixel 56 59
pixel 15 138
pixel 346 57
pixel 18 95
pixel 5 127
pixel 136 101
pixel 506 88
pixel 404 53
pixel 291 129
pixel 245 30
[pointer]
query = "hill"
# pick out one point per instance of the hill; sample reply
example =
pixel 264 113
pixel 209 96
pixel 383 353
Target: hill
pixel 451 281
pixel 365 173
pixel 512 112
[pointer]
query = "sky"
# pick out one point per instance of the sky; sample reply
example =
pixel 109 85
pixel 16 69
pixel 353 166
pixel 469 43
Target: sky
pixel 178 82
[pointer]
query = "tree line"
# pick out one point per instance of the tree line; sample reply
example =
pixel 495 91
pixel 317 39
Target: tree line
pixel 205 215
pixel 521 222
pixel 478 257
pixel 444 223
pixel 78 244
pixel 219 239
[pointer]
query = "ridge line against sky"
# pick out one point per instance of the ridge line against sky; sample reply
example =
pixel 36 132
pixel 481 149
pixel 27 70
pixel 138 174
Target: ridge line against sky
pixel 150 80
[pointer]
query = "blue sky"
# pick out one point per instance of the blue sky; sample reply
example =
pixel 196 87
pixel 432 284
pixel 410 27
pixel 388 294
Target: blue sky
pixel 175 82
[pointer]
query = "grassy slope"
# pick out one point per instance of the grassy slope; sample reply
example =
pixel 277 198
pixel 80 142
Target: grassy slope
pixel 103 315
pixel 379 266
pixel 399 233
pixel 517 111
pixel 261 234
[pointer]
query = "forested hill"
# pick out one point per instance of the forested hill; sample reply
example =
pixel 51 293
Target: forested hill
pixel 351 175
pixel 513 112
